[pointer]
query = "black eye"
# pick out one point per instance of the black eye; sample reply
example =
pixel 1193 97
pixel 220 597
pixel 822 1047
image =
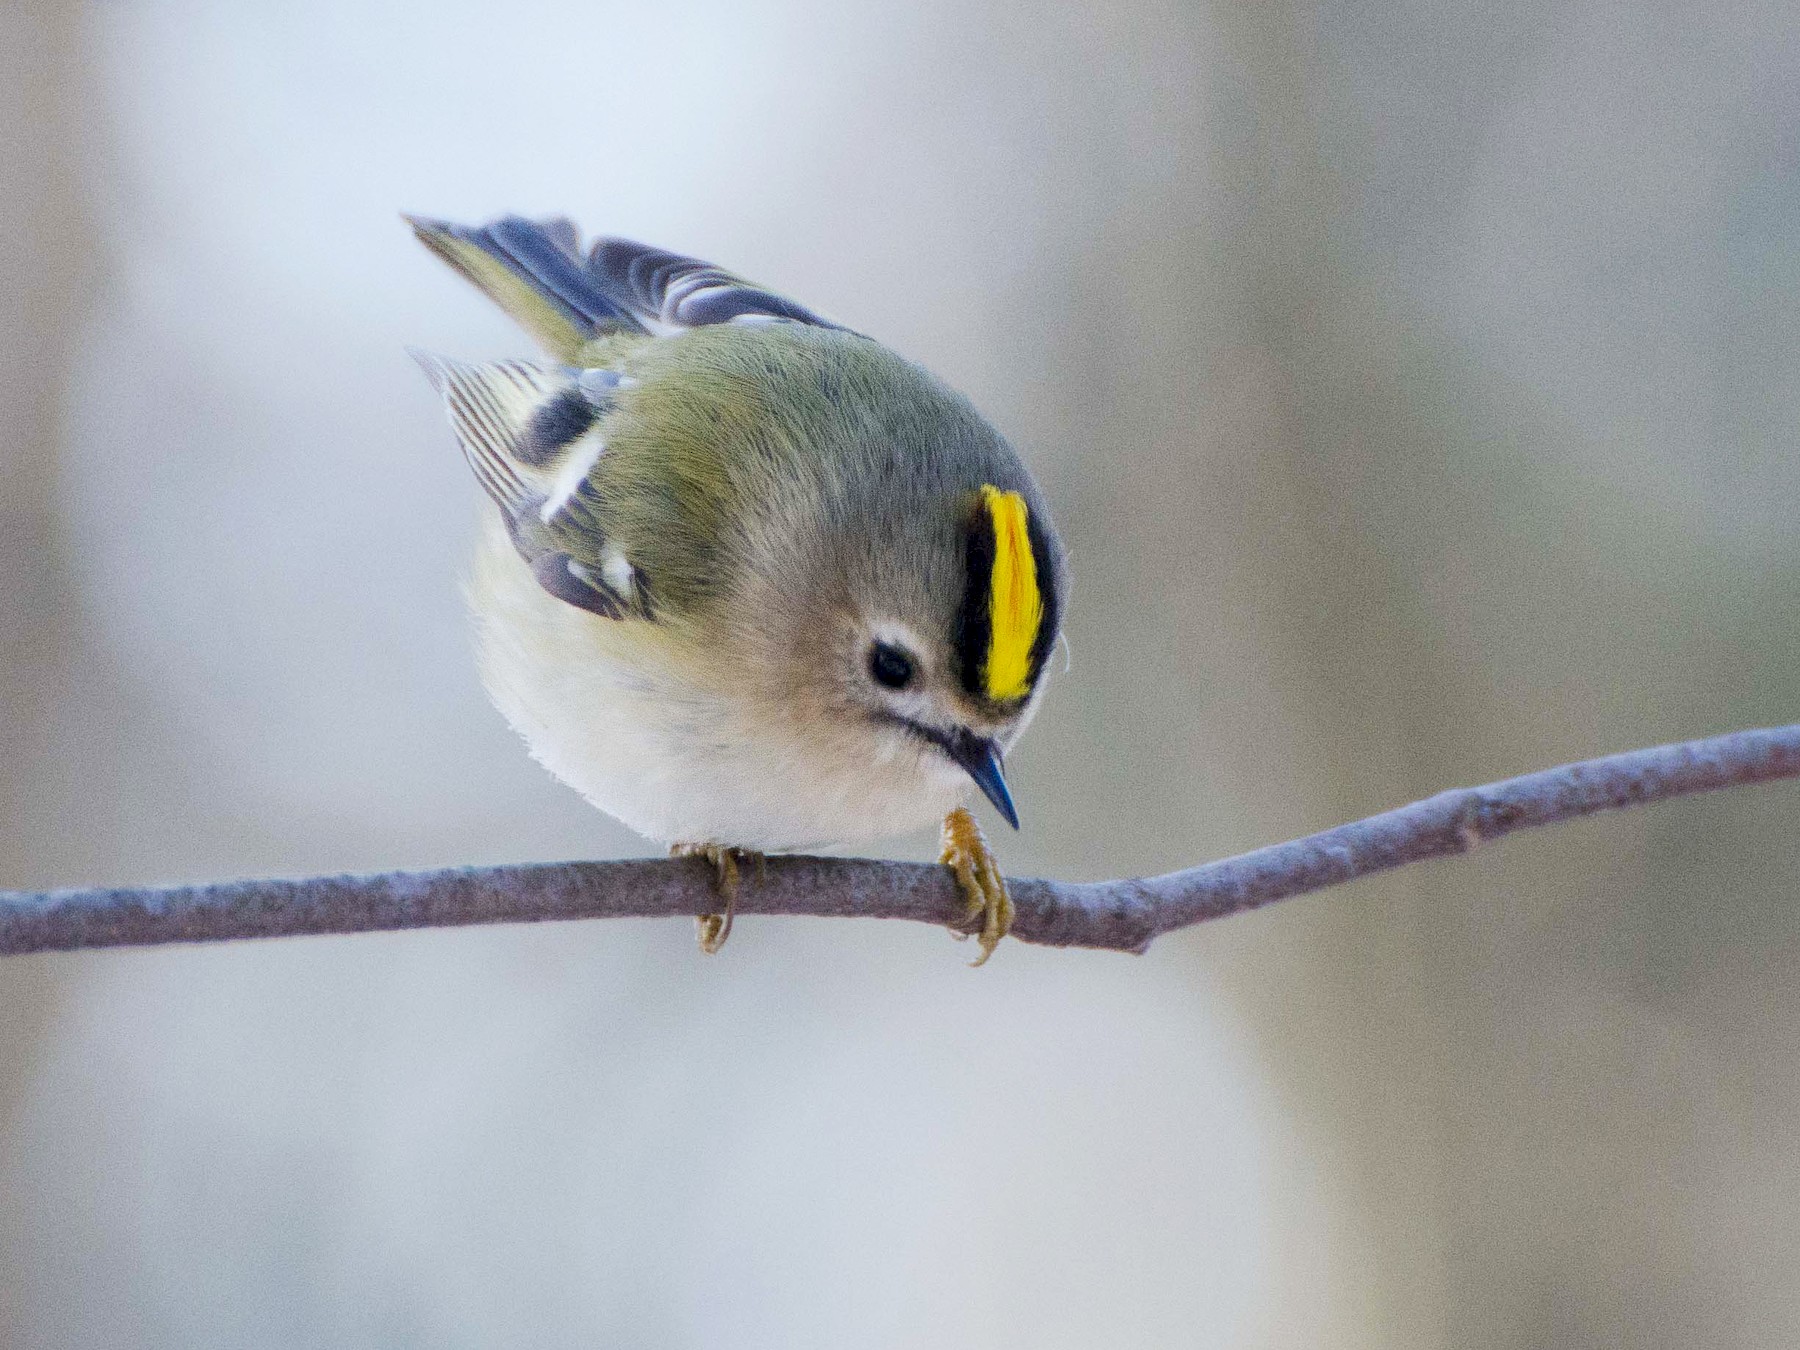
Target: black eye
pixel 889 666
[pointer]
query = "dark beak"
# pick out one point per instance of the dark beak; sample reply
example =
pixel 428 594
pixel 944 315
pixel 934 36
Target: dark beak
pixel 980 758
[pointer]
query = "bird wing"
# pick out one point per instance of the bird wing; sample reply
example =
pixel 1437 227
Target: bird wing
pixel 535 271
pixel 532 437
pixel 531 433
pixel 665 291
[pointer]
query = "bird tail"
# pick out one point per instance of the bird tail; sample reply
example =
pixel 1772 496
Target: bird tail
pixel 536 272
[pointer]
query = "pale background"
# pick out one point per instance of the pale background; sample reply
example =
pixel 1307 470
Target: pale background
pixel 1417 388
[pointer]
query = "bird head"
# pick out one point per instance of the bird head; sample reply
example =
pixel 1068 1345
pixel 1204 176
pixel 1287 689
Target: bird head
pixel 919 632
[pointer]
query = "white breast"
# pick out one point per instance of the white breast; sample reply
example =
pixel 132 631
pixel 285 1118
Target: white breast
pixel 607 707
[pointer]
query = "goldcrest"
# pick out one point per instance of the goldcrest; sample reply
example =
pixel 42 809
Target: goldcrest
pixel 749 581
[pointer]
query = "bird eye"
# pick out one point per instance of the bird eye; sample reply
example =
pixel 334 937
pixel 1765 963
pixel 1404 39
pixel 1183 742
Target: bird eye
pixel 889 666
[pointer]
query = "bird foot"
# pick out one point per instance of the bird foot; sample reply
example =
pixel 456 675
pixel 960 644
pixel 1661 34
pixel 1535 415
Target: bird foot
pixel 713 929
pixel 967 855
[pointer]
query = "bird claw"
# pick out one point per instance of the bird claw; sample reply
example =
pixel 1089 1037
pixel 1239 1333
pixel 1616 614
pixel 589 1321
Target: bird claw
pixel 713 929
pixel 967 855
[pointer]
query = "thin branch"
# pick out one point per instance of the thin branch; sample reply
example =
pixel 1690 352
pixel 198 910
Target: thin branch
pixel 1120 915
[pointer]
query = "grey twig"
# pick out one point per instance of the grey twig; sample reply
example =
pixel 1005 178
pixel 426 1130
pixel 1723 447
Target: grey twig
pixel 1121 915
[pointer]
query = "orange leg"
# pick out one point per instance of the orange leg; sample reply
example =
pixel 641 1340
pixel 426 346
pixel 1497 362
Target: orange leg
pixel 966 853
pixel 713 929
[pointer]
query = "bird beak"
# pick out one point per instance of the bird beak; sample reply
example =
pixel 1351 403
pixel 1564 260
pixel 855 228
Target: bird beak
pixel 980 758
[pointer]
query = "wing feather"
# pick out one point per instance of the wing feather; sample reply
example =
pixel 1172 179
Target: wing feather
pixel 536 272
pixel 669 291
pixel 489 406
pixel 532 439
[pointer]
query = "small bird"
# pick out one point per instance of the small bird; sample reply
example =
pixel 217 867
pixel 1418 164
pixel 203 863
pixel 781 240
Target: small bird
pixel 750 581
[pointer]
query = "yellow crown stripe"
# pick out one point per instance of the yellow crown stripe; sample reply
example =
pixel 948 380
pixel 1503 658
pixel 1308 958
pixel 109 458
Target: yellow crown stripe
pixel 1015 605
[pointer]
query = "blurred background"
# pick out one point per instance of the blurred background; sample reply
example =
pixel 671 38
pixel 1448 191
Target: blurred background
pixel 1416 385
